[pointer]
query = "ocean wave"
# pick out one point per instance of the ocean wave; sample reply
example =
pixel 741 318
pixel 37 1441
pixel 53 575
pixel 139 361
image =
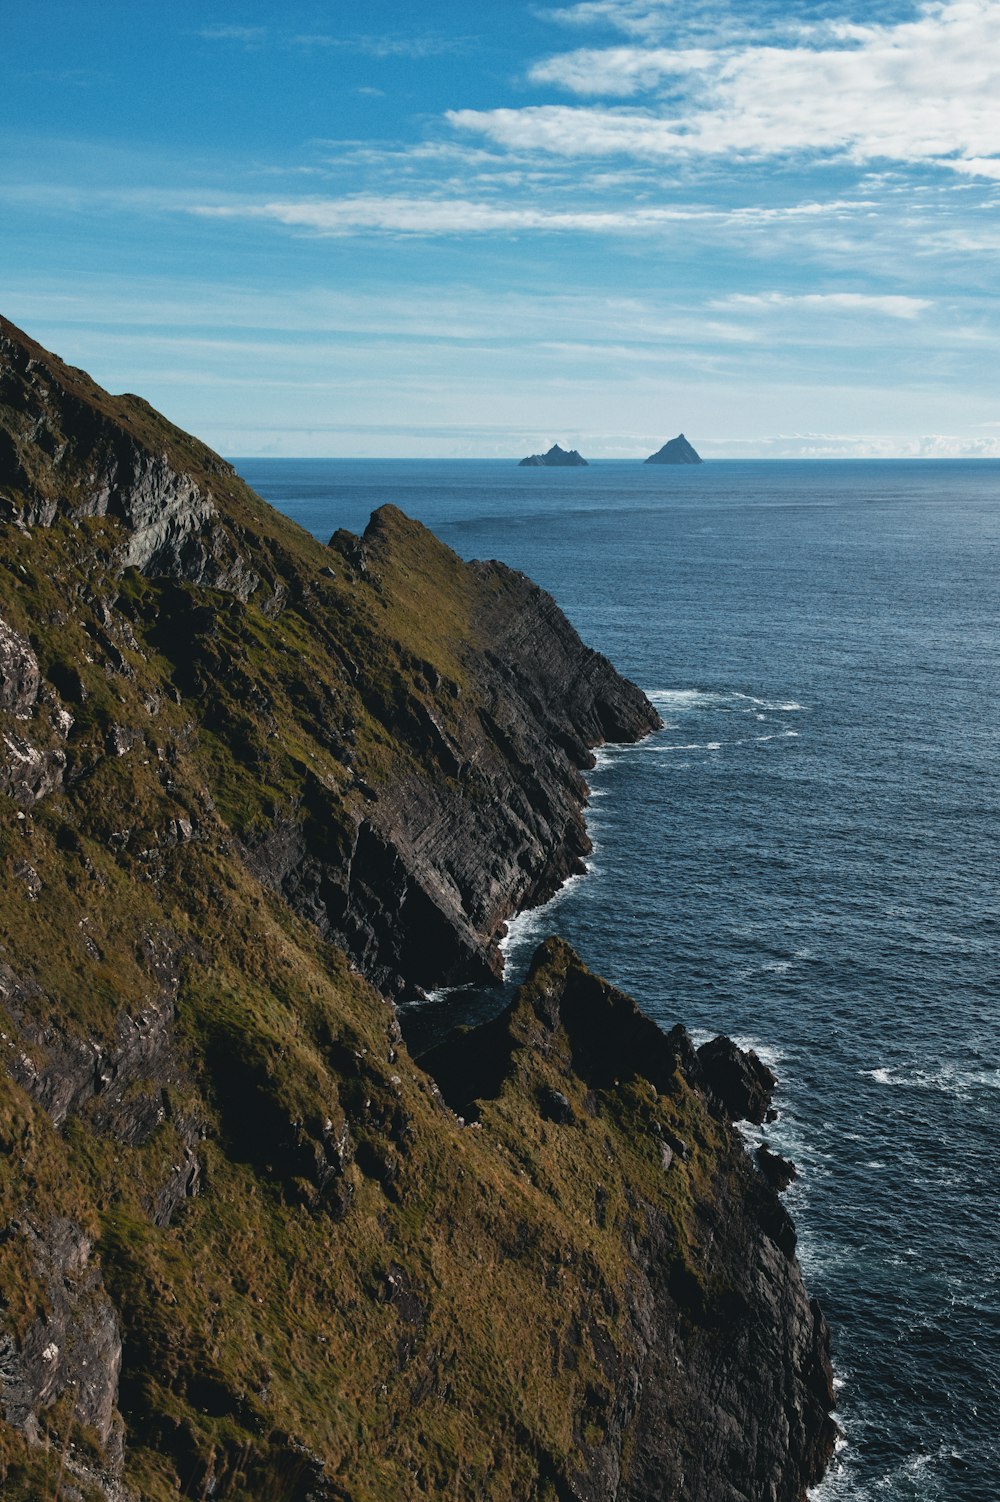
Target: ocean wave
pixel 526 926
pixel 906 1478
pixel 682 699
pixel 692 746
pixel 948 1079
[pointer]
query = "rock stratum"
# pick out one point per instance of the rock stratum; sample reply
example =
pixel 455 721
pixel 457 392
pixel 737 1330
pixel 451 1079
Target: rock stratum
pixel 555 458
pixel 253 789
pixel 676 451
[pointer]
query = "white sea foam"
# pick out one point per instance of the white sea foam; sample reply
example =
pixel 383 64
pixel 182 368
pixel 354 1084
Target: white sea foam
pixel 525 927
pixel 949 1079
pixel 684 699
pixel 787 706
pixel 693 746
pixel 768 1053
pixel 442 993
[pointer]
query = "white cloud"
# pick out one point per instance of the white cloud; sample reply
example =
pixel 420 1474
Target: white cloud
pixel 849 302
pixel 620 71
pixel 640 18
pixel 853 446
pixel 448 216
pixel 919 91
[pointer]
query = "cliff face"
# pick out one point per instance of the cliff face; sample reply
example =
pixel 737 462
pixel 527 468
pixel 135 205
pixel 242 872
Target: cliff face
pixel 250 788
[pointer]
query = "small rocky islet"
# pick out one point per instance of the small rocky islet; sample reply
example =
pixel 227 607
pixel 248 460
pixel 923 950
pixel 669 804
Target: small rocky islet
pixel 254 790
pixel 675 451
pixel 555 458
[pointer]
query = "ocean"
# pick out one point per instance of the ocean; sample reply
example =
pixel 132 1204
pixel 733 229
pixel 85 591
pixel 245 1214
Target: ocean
pixel 806 857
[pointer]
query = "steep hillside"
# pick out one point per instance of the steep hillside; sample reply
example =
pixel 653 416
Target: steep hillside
pixel 251 789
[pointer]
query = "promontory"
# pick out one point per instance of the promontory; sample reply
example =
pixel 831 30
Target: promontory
pixel 253 790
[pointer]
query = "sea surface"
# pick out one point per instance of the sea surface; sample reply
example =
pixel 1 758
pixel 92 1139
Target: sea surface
pixel 806 857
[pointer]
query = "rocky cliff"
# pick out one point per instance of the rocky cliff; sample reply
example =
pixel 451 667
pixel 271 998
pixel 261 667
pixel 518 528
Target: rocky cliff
pixel 252 788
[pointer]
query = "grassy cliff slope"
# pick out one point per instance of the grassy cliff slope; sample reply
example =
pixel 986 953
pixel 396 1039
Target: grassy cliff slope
pixel 251 788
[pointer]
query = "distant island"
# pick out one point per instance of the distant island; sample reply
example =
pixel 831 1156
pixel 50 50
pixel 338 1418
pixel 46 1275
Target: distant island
pixel 556 458
pixel 677 451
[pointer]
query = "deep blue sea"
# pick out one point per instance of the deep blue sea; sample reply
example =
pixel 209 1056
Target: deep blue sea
pixel 806 857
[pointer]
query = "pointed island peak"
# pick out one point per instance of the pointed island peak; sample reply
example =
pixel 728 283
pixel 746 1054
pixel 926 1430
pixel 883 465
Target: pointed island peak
pixel 556 458
pixel 677 451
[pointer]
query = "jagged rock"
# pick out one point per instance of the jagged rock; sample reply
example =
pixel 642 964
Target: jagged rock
pixel 675 451
pixel 555 458
pixel 439 863
pixel 74 1347
pixel 71 449
pixel 737 1079
pixel 555 1106
pixel 778 1171
pixel 28 773
pixel 19 675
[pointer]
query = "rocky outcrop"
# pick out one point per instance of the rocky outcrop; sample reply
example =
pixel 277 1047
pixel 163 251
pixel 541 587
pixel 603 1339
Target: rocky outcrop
pixel 69 449
pixel 675 451
pixel 74 1348
pixel 723 1342
pixel 555 458
pixel 737 1079
pixel 19 675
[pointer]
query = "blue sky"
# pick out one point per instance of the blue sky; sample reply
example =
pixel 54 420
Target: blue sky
pixel 443 230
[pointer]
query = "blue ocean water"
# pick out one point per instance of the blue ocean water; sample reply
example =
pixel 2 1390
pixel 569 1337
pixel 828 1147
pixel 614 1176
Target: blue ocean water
pixel 806 857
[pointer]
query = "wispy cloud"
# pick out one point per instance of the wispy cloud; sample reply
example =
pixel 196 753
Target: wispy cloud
pixel 866 92
pixel 634 17
pixel 449 216
pixel 371 44
pixel 384 45
pixel 837 302
pixel 248 35
pixel 855 446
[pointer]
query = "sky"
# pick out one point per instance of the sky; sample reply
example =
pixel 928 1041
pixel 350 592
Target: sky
pixel 444 230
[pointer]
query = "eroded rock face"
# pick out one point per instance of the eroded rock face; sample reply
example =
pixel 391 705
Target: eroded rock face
pixel 96 464
pixel 19 675
pixel 72 1349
